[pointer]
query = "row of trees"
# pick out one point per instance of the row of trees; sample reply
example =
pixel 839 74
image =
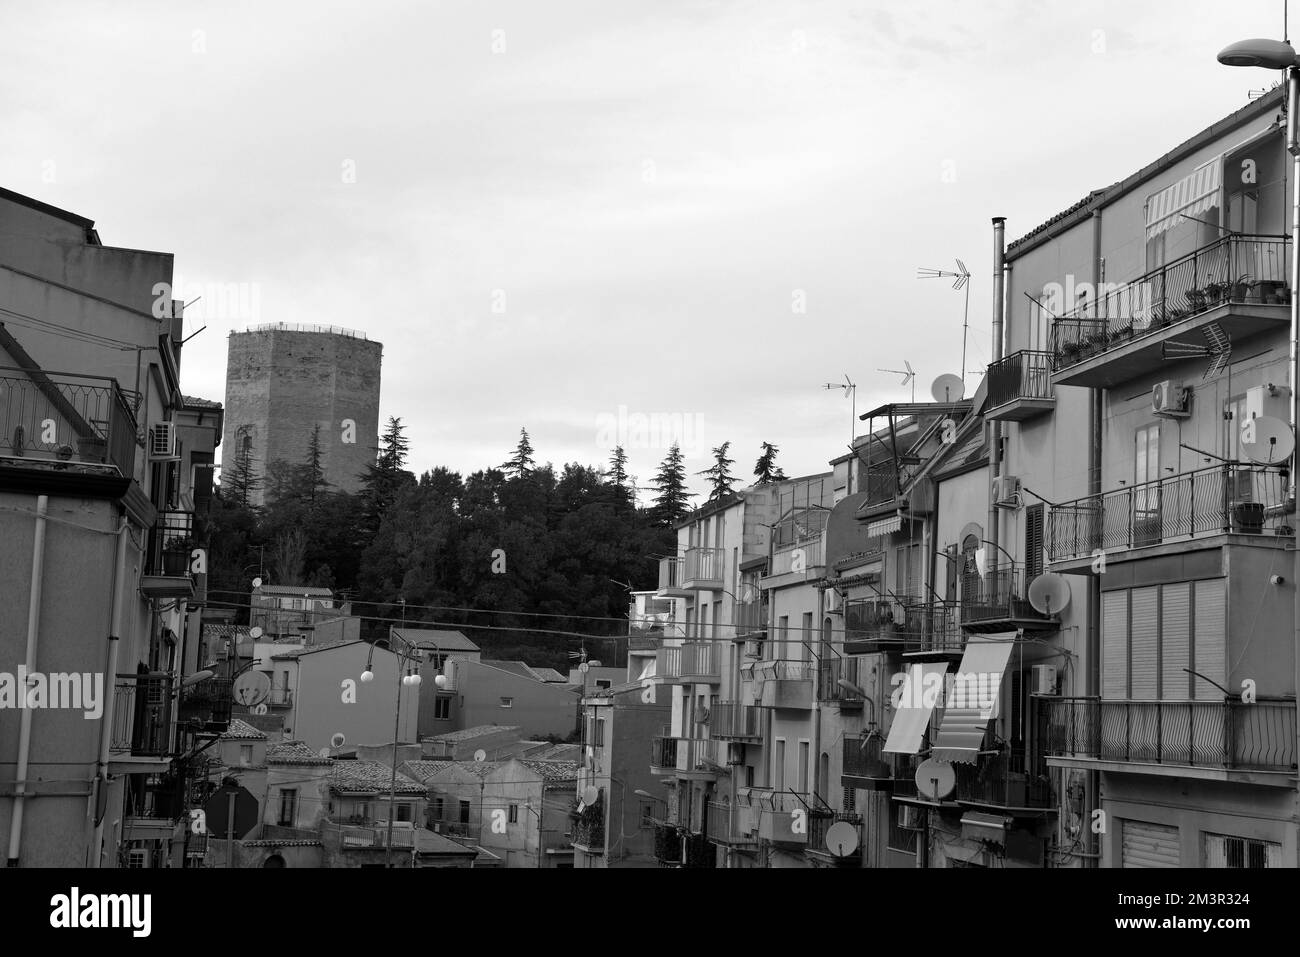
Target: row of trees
pixel 491 553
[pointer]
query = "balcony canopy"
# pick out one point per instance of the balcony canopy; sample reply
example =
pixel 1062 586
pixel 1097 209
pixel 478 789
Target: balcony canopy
pixel 921 691
pixel 1192 195
pixel 974 697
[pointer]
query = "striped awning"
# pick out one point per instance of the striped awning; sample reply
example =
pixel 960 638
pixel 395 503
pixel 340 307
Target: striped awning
pixel 922 689
pixel 884 526
pixel 973 700
pixel 1190 196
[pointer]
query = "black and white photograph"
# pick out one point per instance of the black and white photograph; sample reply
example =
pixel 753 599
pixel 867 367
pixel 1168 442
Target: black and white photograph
pixel 422 446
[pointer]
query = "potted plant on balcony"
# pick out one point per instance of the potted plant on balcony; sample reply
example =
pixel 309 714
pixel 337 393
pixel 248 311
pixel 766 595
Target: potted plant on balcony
pixel 1195 300
pixel 1216 292
pixel 1242 289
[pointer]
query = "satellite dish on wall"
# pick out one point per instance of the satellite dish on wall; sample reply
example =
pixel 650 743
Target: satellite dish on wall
pixel 480 755
pixel 1049 593
pixel 584 667
pixel 252 688
pixel 255 632
pixel 590 795
pixel 948 388
pixel 935 779
pixel 1266 440
pixel 258 709
pixel 257 583
pixel 842 839
pixel 338 740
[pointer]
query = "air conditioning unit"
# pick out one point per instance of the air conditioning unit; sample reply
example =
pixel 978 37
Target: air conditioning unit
pixel 1044 679
pixel 909 817
pixel 162 442
pixel 753 649
pixel 1268 400
pixel 1168 398
pixel 1006 490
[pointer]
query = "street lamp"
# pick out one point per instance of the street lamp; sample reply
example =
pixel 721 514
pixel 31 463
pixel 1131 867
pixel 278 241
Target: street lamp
pixel 1280 55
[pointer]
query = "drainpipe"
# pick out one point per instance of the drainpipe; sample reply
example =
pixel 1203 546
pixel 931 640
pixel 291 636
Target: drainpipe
pixel 110 695
pixel 1092 780
pixel 25 719
pixel 995 428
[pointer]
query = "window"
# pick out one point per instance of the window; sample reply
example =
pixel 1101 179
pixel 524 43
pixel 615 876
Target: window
pixel 514 814
pixel 805 639
pixel 778 765
pixel 507 702
pixel 442 708
pixel 437 809
pixel 599 739
pixel 647 814
pixel 782 637
pixel 464 812
pixel 803 767
pixel 1033 542
pixel 1224 851
pixel 245 755
pixel 1150 636
pixel 603 683
pixel 137 858
pixel 288 805
pixel 403 812
pixel 1146 499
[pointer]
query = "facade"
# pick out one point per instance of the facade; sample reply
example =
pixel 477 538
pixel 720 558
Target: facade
pixel 478 693
pixel 285 381
pixel 102 495
pixel 290 611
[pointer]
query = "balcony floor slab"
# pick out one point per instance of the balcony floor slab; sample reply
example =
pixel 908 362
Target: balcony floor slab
pixel 1277 779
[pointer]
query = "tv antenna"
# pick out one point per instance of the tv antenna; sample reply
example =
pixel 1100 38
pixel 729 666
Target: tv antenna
pixel 1218 350
pixel 850 391
pixel 961 281
pixel 908 376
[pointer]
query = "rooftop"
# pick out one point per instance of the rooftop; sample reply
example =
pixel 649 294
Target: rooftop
pixel 445 639
pixel 469 734
pixel 552 771
pixel 423 770
pixel 370 777
pixel 242 730
pixel 296 753
pixel 193 402
pixel 514 667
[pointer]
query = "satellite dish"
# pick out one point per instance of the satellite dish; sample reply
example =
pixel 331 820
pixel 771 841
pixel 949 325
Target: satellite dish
pixel 1266 440
pixel 258 709
pixel 1049 593
pixel 842 839
pixel 252 688
pixel 935 779
pixel 948 388
pixel 257 583
pixel 590 795
pixel 255 632
pixel 480 755
pixel 338 740
pixel 584 667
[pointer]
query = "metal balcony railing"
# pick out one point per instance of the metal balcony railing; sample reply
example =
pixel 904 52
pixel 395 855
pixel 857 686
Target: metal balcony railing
pixel 732 721
pixel 1248 499
pixel 206 705
pixel 671 753
pixel 280 696
pixel 863 758
pixel 730 824
pixel 703 567
pixel 1000 595
pixel 904 772
pixel 872 625
pixel 786 816
pixel 693 660
pixel 1242 269
pixel 798 558
pixel 1228 734
pixel 1003 780
pixel 749 618
pixel 66 417
pixel 170 542
pixel 142 714
pixel 804 525
pixel 831 672
pixel 589 831
pixel 1026 374
pixel 819 826
pixel 673 848
pixel 782 669
pixel 670 573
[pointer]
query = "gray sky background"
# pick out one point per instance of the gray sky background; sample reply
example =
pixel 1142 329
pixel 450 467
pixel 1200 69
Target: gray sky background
pixel 648 190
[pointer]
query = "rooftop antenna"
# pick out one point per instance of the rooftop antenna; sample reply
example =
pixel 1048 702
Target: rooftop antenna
pixel 962 281
pixel 850 391
pixel 908 376
pixel 1218 350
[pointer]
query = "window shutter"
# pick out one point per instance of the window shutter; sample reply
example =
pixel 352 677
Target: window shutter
pixel 1175 641
pixel 1144 631
pixel 1114 644
pixel 1208 638
pixel 1033 543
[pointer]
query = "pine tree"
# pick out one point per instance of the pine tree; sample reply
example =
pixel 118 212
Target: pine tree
pixel 618 466
pixel 670 501
pixel 521 464
pixel 381 481
pixel 766 470
pixel 243 481
pixel 719 473
pixel 313 473
pixel 394 447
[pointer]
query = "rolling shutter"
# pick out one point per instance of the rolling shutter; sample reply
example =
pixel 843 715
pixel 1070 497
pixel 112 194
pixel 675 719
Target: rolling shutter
pixel 1149 845
pixel 1175 641
pixel 1114 644
pixel 1208 639
pixel 1144 634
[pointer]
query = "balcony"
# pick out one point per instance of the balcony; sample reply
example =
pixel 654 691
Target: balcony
pixel 142 715
pixel 786 684
pixel 280 697
pixel 997 602
pixel 819 826
pixel 785 817
pixel 829 675
pixel 589 831
pixel 167 563
pixel 1225 740
pixel 702 569
pixel 1020 386
pixel 672 849
pixel 1005 781
pixel 695 759
pixel 749 618
pixel 66 419
pixel 870 627
pixel 205 706
pixel 1237 287
pixel 732 721
pixel 732 825
pixel 803 559
pixel 694 662
pixel 670 578
pixel 864 765
pixel 1222 499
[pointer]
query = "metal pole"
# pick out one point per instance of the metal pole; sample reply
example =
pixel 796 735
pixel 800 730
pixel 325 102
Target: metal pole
pixel 230 832
pixel 392 784
pixel 1293 146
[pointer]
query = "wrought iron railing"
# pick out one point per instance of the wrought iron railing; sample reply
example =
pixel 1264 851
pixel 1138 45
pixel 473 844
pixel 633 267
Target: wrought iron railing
pixel 998 595
pixel 170 543
pixel 1005 779
pixel 1230 734
pixel 730 720
pixel 703 566
pixel 727 824
pixel 1026 374
pixel 1249 499
pixel 206 705
pixel 749 618
pixel 863 757
pixel 142 713
pixel 831 672
pixel 73 418
pixel 1244 269
pixel 693 659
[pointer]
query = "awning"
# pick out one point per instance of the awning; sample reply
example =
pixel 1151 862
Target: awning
pixel 885 526
pixel 974 697
pixel 1190 196
pixel 922 689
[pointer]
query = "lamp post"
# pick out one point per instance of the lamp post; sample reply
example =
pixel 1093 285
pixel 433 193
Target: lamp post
pixel 410 651
pixel 1280 55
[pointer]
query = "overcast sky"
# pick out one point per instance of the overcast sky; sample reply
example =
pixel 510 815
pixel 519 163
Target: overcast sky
pixel 563 215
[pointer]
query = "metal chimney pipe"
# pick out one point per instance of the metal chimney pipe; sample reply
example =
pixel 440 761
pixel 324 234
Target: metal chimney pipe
pixel 994 429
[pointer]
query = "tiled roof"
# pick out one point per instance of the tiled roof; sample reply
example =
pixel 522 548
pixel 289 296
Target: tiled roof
pixel 370 777
pixel 558 752
pixel 423 770
pixel 226 631
pixel 429 842
pixel 269 843
pixel 294 752
pixel 480 769
pixel 293 590
pixel 551 771
pixel 549 674
pixel 196 403
pixel 242 730
pixel 446 639
pixel 469 734
pixel 514 667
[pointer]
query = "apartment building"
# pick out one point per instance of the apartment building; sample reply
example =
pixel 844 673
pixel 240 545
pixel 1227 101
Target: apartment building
pixel 102 483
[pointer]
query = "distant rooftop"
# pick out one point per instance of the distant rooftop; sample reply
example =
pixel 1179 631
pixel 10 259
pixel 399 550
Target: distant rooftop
pixel 444 638
pixel 294 752
pixel 243 731
pixel 551 771
pixel 469 734
pixel 514 667
pixel 423 770
pixel 370 777
pixel 293 590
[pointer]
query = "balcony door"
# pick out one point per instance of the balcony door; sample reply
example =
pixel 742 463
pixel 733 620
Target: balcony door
pixel 1146 497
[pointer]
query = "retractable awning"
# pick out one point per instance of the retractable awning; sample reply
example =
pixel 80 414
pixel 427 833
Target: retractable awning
pixel 922 689
pixel 884 526
pixel 972 702
pixel 1190 196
